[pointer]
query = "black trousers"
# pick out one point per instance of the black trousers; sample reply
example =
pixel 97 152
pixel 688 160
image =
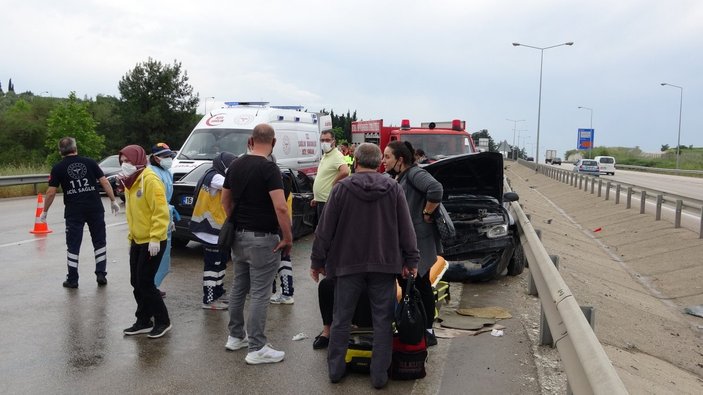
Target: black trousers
pixel 325 294
pixel 142 269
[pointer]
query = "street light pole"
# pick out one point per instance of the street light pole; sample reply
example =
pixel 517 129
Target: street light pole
pixel 539 105
pixel 590 149
pixel 515 121
pixel 205 103
pixel 678 139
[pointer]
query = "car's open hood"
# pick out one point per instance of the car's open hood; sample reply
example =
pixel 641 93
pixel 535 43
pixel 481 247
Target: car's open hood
pixel 474 174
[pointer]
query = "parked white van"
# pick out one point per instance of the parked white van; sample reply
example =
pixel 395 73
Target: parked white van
pixel 606 164
pixel 229 128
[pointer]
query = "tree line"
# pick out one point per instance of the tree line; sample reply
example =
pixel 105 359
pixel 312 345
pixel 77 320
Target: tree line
pixel 156 104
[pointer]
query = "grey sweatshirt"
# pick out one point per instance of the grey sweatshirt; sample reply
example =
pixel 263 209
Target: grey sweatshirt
pixel 366 228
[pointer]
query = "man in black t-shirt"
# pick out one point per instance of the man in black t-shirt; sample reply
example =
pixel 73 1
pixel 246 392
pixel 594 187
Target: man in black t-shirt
pixel 78 178
pixel 253 198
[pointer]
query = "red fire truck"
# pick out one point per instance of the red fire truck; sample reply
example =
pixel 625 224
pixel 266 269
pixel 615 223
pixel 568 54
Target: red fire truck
pixel 437 139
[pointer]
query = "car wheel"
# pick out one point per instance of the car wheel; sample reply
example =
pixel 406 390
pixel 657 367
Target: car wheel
pixel 179 242
pixel 518 260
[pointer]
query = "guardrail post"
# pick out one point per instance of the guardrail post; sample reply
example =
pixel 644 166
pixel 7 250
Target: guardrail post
pixel 585 184
pixel 629 197
pixel 660 200
pixel 617 194
pixel 700 232
pixel 643 201
pixel 545 335
pixel 531 286
pixel 580 181
pixel 607 190
pixel 677 218
pixel 593 184
pixel 600 185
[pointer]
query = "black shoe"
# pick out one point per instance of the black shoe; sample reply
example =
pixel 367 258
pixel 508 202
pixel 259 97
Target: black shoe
pixel 100 278
pixel 70 284
pixel 320 342
pixel 430 339
pixel 159 330
pixel 139 328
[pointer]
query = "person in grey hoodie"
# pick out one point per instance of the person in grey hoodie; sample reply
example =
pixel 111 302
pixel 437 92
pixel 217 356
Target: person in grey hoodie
pixel 364 240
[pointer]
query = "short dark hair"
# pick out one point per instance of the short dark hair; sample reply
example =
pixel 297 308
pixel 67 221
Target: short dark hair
pixel 327 132
pixel 67 145
pixel 403 149
pixel 368 156
pixel 263 133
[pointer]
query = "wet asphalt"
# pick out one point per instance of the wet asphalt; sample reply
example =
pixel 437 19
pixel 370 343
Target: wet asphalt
pixel 57 340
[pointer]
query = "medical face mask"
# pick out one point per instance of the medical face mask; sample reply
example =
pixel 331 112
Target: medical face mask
pixel 326 146
pixel 166 163
pixel 128 169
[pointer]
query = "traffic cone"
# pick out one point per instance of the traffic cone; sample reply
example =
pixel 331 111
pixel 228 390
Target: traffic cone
pixel 40 227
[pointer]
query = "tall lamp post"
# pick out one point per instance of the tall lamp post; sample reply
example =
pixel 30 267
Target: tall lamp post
pixel 539 106
pixel 205 103
pixel 515 121
pixel 678 139
pixel 590 150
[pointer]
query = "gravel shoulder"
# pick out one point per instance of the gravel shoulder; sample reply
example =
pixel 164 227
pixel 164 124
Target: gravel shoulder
pixel 638 273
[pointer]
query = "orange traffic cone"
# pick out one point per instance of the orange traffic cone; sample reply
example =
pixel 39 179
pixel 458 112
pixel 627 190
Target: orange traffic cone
pixel 40 227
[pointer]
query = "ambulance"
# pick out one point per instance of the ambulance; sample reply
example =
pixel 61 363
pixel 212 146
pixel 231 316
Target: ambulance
pixel 228 129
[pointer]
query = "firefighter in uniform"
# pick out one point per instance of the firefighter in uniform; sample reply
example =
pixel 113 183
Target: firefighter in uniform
pixel 79 177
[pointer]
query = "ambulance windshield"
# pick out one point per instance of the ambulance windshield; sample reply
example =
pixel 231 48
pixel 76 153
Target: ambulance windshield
pixel 205 144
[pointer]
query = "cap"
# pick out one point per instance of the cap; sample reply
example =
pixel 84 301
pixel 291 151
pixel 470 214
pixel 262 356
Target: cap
pixel 161 150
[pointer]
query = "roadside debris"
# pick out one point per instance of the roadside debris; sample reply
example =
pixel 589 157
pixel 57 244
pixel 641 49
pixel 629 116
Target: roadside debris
pixel 596 230
pixel 497 332
pixel 498 313
pixel 300 336
pixel 694 310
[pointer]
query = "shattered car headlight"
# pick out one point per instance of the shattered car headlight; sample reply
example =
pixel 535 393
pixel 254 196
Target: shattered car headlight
pixel 495 231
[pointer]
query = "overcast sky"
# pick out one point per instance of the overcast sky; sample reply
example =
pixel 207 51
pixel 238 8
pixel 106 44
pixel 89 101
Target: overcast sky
pixel 421 60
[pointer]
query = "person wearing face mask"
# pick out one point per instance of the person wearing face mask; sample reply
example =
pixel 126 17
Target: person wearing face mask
pixel 148 220
pixel 424 194
pixel 205 224
pixel 160 162
pixel 333 168
pixel 79 178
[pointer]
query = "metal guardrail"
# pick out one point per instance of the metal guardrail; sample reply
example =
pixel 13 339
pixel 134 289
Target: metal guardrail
pixel 587 366
pixel 657 198
pixel 6 181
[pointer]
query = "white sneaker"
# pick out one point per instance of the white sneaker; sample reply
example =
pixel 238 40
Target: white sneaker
pixel 281 299
pixel 235 343
pixel 216 305
pixel 265 355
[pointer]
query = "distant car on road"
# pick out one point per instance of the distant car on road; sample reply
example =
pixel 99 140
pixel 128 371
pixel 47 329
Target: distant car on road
pixel 587 166
pixel 556 161
pixel 530 159
pixel 111 169
pixel 300 184
pixel 606 164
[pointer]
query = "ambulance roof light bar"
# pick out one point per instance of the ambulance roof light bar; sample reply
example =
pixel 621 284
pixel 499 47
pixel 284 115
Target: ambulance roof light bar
pixel 405 124
pixel 456 124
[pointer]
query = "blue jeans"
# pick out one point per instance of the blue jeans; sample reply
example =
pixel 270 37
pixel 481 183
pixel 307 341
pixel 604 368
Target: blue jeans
pixel 255 266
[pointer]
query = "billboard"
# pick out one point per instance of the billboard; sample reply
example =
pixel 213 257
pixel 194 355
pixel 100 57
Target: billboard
pixel 585 139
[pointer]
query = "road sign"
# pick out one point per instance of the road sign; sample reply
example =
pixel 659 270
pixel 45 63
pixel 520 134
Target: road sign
pixel 585 139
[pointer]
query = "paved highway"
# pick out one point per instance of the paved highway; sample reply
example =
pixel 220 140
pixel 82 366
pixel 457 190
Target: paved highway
pixel 56 340
pixel 679 185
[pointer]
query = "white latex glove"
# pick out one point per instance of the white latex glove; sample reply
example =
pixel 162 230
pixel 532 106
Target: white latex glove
pixel 172 227
pixel 42 217
pixel 154 248
pixel 115 208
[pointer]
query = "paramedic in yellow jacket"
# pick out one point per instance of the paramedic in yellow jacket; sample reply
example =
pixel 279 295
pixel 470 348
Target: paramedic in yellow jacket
pixel 205 224
pixel 148 219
